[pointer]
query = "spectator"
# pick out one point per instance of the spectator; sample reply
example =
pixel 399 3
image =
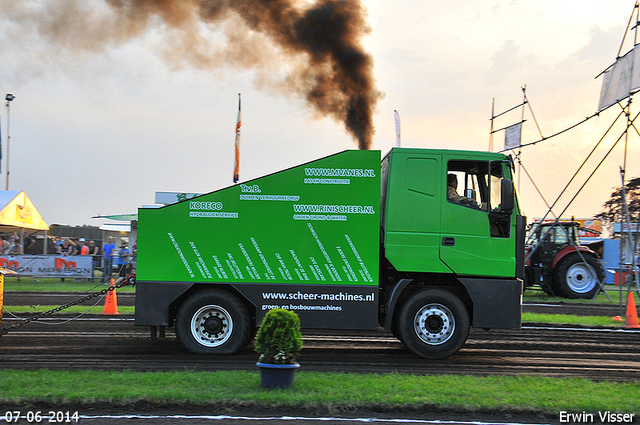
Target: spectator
pixel 4 249
pixel 65 248
pixel 15 248
pixel 94 252
pixel 123 257
pixel 29 243
pixel 82 248
pixel 74 247
pixel 134 253
pixel 57 242
pixel 107 251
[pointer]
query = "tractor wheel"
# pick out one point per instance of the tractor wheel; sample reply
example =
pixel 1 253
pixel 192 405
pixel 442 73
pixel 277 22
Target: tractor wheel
pixel 433 324
pixel 576 278
pixel 213 321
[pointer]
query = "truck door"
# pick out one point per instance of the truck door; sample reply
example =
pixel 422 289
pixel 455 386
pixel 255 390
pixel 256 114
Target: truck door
pixel 476 235
pixel 412 192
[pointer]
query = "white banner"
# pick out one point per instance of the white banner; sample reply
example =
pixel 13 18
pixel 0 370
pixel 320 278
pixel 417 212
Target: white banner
pixel 512 136
pixel 621 79
pixel 48 265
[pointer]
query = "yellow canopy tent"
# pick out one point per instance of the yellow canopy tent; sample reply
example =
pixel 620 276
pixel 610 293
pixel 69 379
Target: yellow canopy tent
pixel 17 212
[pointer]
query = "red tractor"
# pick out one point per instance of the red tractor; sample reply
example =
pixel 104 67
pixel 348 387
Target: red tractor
pixel 559 264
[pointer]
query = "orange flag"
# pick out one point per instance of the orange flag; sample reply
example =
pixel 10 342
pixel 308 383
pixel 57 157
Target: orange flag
pixel 236 171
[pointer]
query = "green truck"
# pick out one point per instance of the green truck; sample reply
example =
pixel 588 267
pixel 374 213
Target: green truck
pixel 345 241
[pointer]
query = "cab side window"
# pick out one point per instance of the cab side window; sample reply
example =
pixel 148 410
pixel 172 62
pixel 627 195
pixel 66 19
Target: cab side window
pixel 467 184
pixel 495 180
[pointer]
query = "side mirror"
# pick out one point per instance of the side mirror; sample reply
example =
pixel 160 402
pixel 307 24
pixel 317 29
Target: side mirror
pixel 507 195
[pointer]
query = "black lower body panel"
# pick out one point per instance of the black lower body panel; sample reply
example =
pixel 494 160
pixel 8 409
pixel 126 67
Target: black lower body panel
pixel 497 303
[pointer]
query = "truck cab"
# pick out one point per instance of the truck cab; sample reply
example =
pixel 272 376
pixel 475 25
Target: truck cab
pixel 464 252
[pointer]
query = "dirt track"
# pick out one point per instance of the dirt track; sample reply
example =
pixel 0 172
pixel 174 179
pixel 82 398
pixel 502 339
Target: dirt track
pixel 113 342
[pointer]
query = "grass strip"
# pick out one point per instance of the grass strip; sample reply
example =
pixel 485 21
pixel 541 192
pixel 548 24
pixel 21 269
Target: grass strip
pixel 568 319
pixel 55 285
pixel 76 309
pixel 332 391
pixel 612 290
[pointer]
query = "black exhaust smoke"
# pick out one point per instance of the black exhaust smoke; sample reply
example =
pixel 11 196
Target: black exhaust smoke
pixel 324 61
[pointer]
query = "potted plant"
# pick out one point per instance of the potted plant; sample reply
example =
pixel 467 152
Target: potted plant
pixel 278 342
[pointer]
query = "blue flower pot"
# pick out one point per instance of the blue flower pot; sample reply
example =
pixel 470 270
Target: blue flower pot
pixel 277 375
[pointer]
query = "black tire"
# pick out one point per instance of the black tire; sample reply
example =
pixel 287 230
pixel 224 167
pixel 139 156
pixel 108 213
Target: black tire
pixel 213 321
pixel 528 278
pixel 394 329
pixel 577 279
pixel 433 324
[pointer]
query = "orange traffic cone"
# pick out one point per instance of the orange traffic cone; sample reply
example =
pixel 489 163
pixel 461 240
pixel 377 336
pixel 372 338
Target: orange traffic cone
pixel 632 315
pixel 111 303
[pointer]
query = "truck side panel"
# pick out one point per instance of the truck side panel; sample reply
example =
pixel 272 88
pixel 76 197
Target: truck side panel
pixel 312 229
pixel 318 306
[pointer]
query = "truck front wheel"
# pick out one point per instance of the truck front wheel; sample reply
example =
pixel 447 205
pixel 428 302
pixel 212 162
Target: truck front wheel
pixel 213 322
pixel 433 324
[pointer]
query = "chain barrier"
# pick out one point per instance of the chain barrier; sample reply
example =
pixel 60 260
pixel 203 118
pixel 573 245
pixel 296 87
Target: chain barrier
pixel 121 282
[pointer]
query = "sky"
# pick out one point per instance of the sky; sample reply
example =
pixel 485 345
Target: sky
pixel 98 129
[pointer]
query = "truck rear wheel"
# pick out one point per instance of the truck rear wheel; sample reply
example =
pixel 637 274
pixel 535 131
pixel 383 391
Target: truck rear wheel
pixel 577 279
pixel 433 324
pixel 213 322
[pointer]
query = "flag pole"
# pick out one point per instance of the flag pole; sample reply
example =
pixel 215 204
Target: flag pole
pixel 397 118
pixel 8 98
pixel 236 171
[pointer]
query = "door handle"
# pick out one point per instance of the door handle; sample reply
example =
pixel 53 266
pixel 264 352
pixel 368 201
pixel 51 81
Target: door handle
pixel 448 241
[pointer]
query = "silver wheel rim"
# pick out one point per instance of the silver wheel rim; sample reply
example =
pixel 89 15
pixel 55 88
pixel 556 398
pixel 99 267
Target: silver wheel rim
pixel 211 325
pixel 434 324
pixel 581 278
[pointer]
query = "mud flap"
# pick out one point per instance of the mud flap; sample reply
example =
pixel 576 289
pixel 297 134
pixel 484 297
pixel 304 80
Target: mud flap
pixel 153 300
pixel 497 304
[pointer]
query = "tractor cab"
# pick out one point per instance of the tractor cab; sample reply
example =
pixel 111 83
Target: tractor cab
pixel 554 238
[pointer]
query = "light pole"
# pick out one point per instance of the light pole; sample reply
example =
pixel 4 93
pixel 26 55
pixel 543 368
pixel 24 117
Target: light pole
pixel 8 98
